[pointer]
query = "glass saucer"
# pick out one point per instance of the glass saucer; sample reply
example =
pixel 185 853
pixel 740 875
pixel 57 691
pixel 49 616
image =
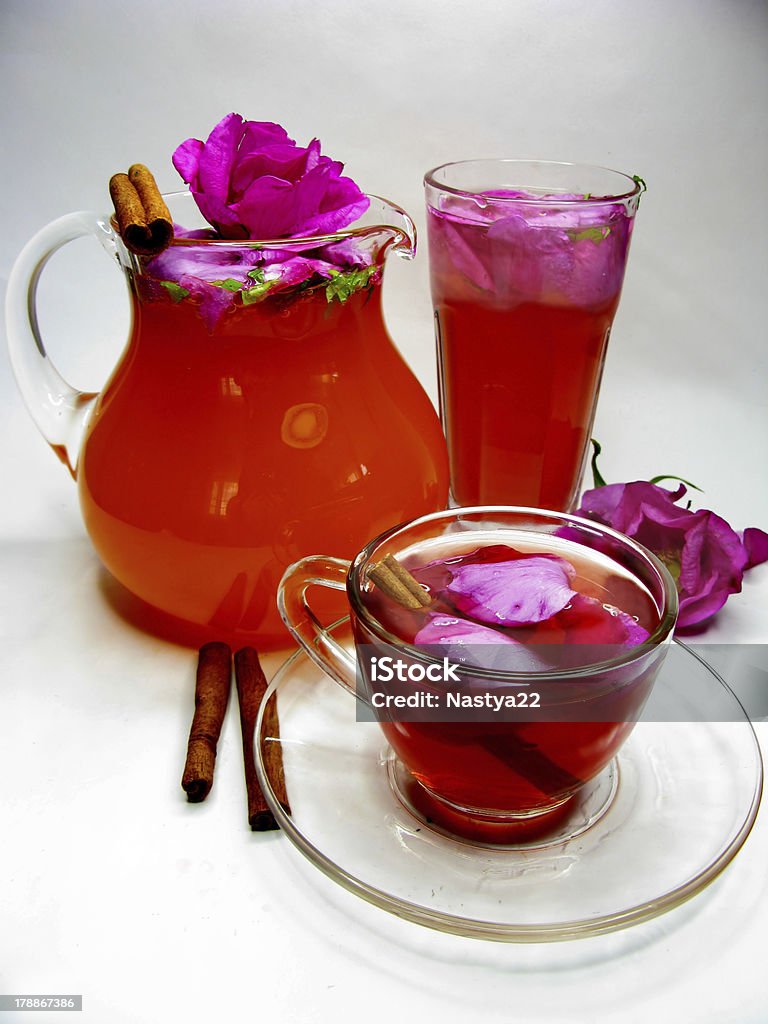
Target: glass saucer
pixel 650 833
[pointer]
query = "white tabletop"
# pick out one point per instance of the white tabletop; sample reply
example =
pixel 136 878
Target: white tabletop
pixel 111 884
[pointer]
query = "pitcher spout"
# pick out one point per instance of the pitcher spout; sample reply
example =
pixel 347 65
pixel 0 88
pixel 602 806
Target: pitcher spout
pixel 384 228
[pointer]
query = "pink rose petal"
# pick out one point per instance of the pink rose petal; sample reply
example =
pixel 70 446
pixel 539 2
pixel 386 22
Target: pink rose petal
pixel 479 645
pixel 756 545
pixel 515 593
pixel 450 629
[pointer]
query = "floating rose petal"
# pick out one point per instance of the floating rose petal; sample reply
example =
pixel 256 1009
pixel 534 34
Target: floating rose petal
pixel 635 633
pixel 212 301
pixel 480 646
pixel 516 593
pixel 518 246
pixel 204 262
pixel 450 629
pixel 594 632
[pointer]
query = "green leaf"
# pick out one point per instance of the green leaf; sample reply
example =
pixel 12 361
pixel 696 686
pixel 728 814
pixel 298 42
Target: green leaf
pixel 257 293
pixel 594 234
pixel 176 292
pixel 229 283
pixel 597 476
pixel 341 286
pixel 680 479
pixel 257 275
pixel 639 181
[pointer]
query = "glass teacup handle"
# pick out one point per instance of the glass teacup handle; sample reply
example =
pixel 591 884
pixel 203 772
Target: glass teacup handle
pixel 60 411
pixel 296 613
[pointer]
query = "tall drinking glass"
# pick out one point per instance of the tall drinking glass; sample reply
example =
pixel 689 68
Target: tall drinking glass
pixel 527 262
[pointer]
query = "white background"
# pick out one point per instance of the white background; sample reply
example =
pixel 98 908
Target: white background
pixel 109 885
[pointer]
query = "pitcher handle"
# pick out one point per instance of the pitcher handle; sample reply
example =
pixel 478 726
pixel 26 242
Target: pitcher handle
pixel 322 571
pixel 60 411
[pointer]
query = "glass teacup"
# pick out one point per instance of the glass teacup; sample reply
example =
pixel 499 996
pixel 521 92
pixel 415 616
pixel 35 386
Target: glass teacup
pixel 497 724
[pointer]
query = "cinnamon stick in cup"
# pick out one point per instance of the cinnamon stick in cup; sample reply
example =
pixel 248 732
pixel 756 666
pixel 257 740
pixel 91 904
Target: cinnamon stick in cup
pixel 398 584
pixel 214 675
pixel 251 687
pixel 145 221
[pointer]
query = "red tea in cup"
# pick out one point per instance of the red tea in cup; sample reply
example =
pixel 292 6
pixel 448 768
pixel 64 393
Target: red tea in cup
pixel 519 608
pixel 514 677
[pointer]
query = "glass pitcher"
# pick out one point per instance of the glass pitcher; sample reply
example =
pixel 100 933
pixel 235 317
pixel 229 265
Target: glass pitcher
pixel 240 430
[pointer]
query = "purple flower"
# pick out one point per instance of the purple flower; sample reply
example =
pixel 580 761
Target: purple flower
pixel 251 181
pixel 513 593
pixel 704 555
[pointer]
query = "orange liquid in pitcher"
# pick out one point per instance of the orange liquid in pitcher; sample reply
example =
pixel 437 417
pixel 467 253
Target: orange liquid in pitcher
pixel 214 459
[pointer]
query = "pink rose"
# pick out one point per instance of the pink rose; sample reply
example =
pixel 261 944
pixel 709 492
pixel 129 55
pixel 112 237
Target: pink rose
pixel 251 181
pixel 706 558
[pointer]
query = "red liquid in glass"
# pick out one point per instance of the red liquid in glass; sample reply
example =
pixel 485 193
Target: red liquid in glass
pixel 524 294
pixel 519 388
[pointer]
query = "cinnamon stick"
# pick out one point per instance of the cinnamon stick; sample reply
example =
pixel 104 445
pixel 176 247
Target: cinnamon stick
pixel 145 221
pixel 410 582
pixel 398 584
pixel 251 687
pixel 214 673
pixel 530 763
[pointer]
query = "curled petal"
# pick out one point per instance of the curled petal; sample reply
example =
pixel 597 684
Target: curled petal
pixel 258 134
pixel 634 633
pixel 186 160
pixel 217 157
pixel 756 545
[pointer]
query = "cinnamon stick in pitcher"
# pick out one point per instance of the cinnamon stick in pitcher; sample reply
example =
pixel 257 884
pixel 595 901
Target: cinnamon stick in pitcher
pixel 145 221
pixel 214 675
pixel 251 687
